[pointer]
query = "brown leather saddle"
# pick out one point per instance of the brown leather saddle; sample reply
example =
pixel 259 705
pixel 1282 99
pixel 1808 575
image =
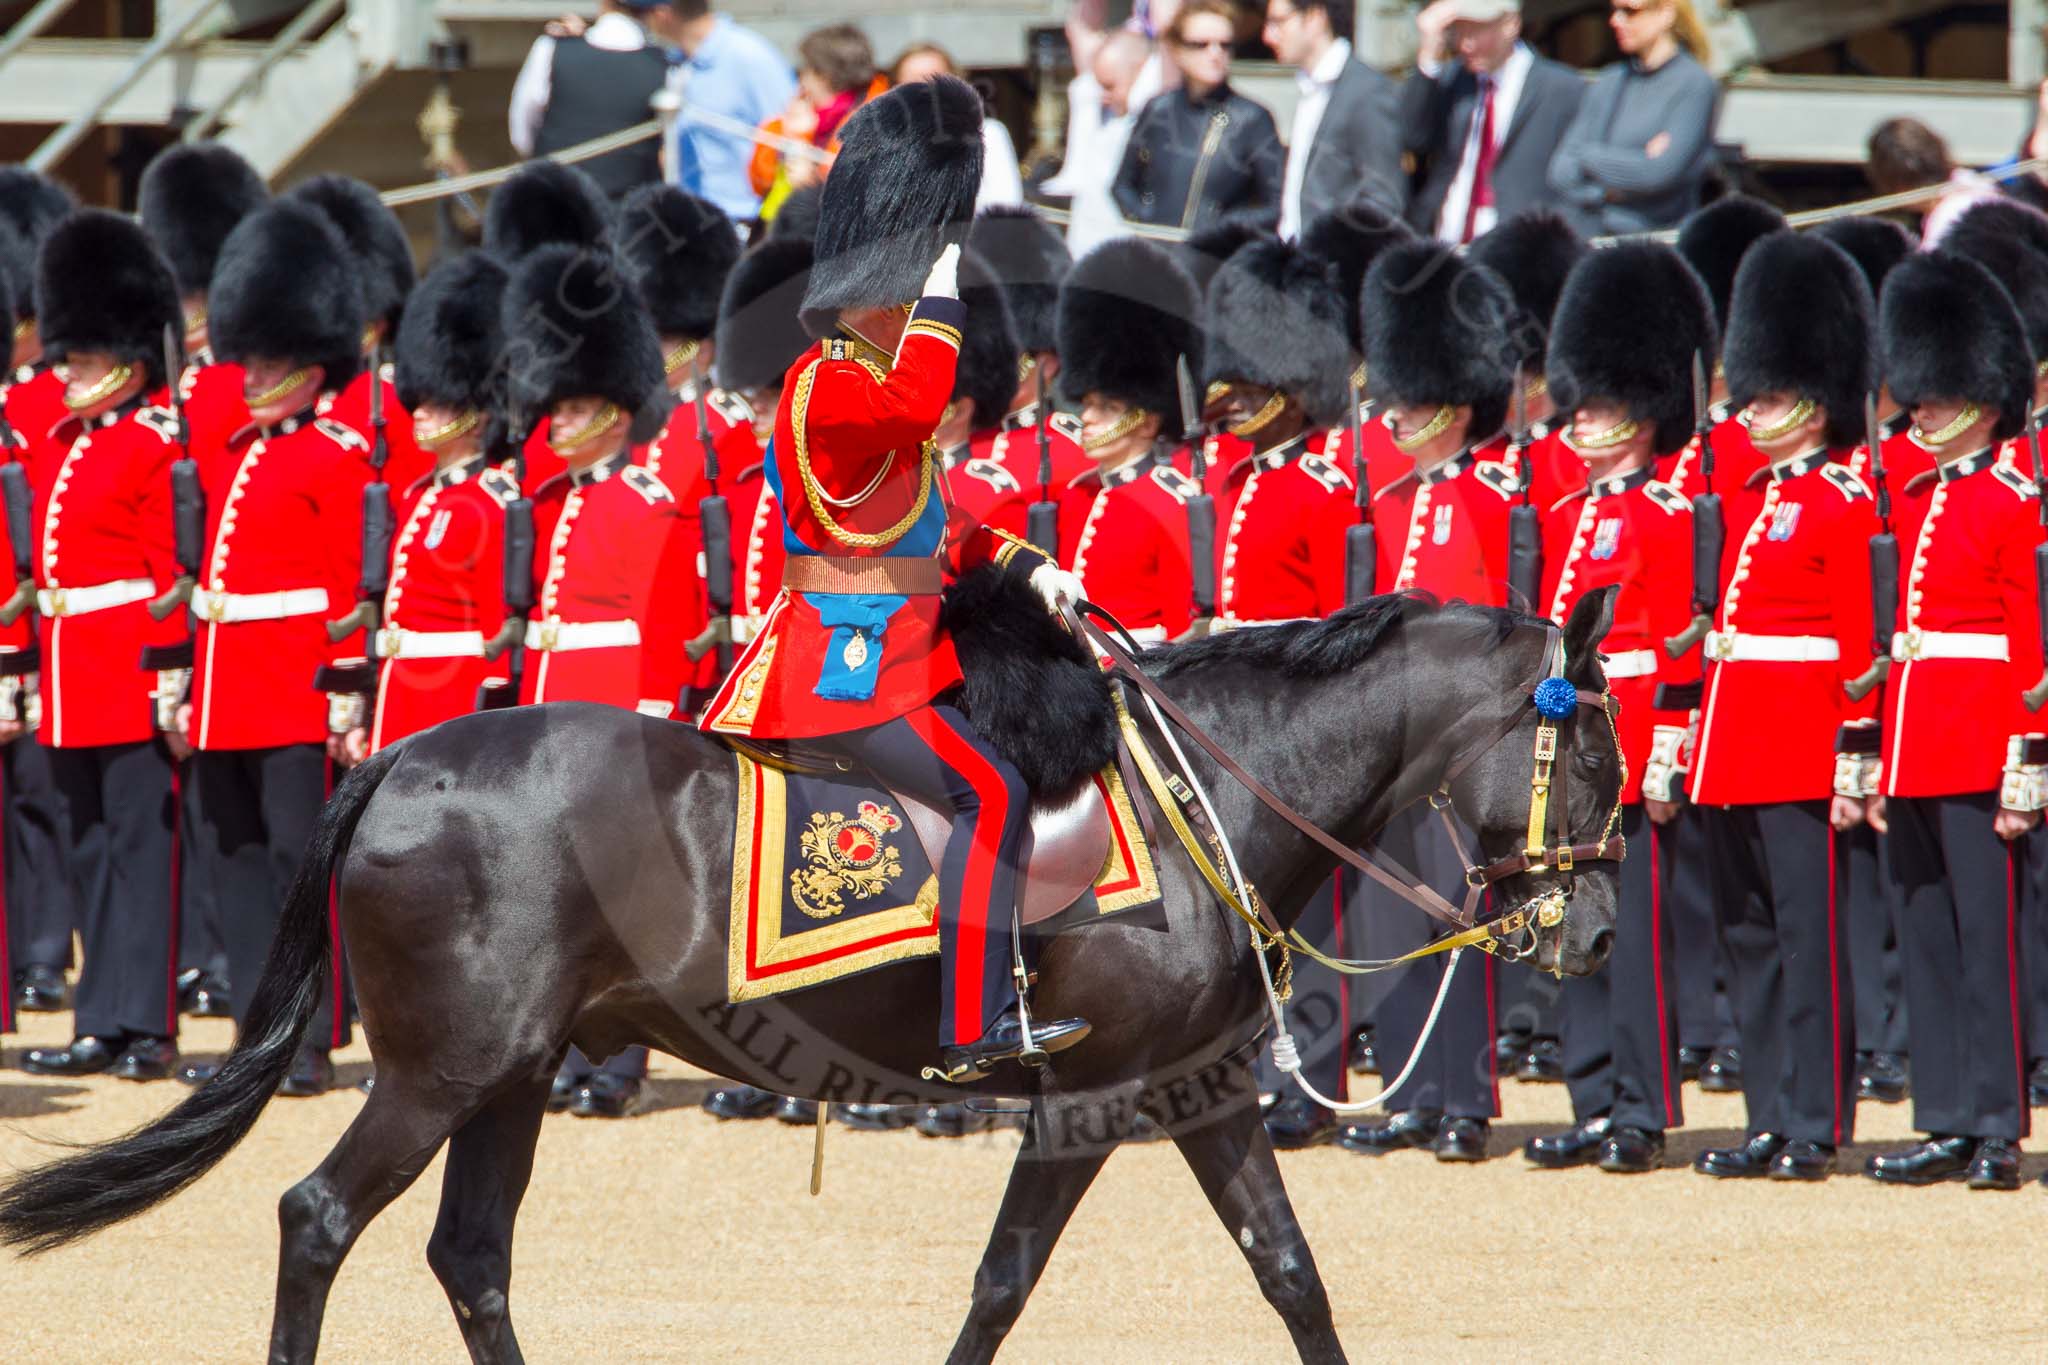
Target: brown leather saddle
pixel 1069 843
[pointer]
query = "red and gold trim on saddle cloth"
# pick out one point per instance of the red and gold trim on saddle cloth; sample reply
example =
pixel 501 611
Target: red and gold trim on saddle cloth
pixel 818 895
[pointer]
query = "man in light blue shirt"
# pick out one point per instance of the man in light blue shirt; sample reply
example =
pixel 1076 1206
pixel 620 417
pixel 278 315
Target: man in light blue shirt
pixel 732 73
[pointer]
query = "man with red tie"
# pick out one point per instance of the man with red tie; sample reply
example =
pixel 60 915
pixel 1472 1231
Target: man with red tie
pixel 102 553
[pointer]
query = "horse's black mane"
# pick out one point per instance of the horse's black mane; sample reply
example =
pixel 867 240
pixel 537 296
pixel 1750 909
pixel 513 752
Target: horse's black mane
pixel 1318 649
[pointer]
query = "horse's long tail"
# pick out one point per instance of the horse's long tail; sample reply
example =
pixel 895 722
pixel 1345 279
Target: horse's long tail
pixel 99 1186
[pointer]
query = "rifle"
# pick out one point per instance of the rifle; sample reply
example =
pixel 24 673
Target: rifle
pixel 2037 695
pixel 1525 529
pixel 375 580
pixel 1042 521
pixel 1201 507
pixel 188 498
pixel 1884 567
pixel 716 519
pixel 1361 538
pixel 1709 533
pixel 19 503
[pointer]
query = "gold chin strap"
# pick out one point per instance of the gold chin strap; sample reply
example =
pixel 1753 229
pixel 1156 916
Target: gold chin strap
pixel 682 355
pixel 1115 431
pixel 1535 388
pixel 1358 377
pixel 369 342
pixel 1781 428
pixel 279 390
pixel 23 328
pixel 1216 392
pixel 1026 363
pixel 1263 418
pixel 1436 427
pixel 607 418
pixel 1964 420
pixel 455 430
pixel 1615 435
pixel 109 385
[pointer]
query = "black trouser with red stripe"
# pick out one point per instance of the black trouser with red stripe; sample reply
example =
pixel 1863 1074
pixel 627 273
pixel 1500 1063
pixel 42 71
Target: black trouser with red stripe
pixel 117 800
pixel 933 753
pixel 1621 1023
pixel 1777 881
pixel 1959 888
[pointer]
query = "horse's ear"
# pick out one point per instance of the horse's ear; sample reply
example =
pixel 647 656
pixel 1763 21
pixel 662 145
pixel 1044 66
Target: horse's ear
pixel 1587 627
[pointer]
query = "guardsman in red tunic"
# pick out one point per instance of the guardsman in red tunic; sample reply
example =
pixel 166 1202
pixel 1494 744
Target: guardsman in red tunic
pixel 981 491
pixel 1351 237
pixel 1621 350
pixel 1714 241
pixel 1433 324
pixel 1792 629
pixel 1126 316
pixel 1029 260
pixel 853 648
pixel 1964 758
pixel 1534 251
pixel 284 514
pixel 102 553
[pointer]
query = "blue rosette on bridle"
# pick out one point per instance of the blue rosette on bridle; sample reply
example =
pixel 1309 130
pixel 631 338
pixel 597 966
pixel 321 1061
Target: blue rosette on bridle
pixel 1555 698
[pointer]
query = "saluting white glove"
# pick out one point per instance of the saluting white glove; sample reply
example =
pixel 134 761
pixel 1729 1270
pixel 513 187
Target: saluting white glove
pixel 1055 585
pixel 944 281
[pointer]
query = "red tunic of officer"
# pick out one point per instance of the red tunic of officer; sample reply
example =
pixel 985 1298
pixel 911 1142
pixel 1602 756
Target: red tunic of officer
pixel 1283 518
pixel 1124 534
pixel 34 405
pixel 1736 459
pixel 404 462
pixel 1792 628
pixel 1446 531
pixel 757 551
pixel 1968 639
pixel 1014 446
pixel 445 600
pixel 1556 468
pixel 1384 461
pixel 103 551
pixel 210 395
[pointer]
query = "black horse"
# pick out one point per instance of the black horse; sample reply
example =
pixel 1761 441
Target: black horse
pixel 512 881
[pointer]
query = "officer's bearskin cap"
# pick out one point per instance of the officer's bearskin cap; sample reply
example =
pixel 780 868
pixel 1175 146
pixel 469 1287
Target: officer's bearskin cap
pixel 544 202
pixel 1628 325
pixel 375 238
pixel 759 335
pixel 1029 258
pixel 1802 322
pixel 192 196
pixel 453 335
pixel 901 189
pixel 1273 317
pixel 1948 330
pixel 989 350
pixel 32 203
pixel 2021 269
pixel 1875 244
pixel 1533 251
pixel 677 249
pixel 1205 249
pixel 575 326
pixel 288 287
pixel 1127 314
pixel 797 215
pixel 101 286
pixel 1436 330
pixel 1714 239
pixel 1351 237
pixel 17 278
pixel 2007 217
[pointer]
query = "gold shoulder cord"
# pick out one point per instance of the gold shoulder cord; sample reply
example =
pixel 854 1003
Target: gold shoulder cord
pixel 814 495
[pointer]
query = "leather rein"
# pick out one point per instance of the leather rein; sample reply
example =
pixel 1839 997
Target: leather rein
pixel 1549 807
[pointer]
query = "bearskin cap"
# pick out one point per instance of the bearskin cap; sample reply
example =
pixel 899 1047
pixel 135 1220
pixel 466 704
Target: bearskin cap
pixel 1351 237
pixel 677 250
pixel 759 336
pixel 1205 249
pixel 32 203
pixel 1627 328
pixel 901 190
pixel 1875 244
pixel 1436 331
pixel 2007 217
pixel 1029 258
pixel 288 287
pixel 544 202
pixel 1802 321
pixel 1948 330
pixel 452 337
pixel 1533 251
pixel 1273 317
pixel 100 286
pixel 797 216
pixel 375 239
pixel 1127 314
pixel 2022 270
pixel 575 326
pixel 1714 239
pixel 17 278
pixel 989 349
pixel 191 197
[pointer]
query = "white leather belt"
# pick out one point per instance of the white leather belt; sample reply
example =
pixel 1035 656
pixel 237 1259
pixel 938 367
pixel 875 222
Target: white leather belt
pixel 1949 644
pixel 1741 647
pixel 394 643
pixel 1630 663
pixel 554 637
pixel 98 597
pixel 229 607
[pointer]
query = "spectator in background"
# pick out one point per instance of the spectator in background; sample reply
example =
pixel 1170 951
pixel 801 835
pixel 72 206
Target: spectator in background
pixel 731 71
pixel 1483 115
pixel 1092 171
pixel 1346 137
pixel 1001 181
pixel 1203 151
pixel 1905 154
pixel 835 75
pixel 577 86
pixel 1635 157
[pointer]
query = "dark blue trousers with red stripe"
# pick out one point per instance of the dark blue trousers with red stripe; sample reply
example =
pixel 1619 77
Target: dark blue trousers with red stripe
pixel 933 753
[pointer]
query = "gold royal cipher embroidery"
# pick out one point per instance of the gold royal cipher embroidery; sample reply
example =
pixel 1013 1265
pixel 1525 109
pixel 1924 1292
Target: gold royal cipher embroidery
pixel 846 856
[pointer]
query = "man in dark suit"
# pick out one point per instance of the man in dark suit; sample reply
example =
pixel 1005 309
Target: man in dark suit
pixel 1346 137
pixel 1481 117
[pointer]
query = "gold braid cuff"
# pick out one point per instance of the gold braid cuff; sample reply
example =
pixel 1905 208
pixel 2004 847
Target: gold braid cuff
pixel 1785 426
pixel 442 435
pixel 607 418
pixel 1437 426
pixel 280 389
pixel 1964 420
pixel 1115 431
pixel 109 385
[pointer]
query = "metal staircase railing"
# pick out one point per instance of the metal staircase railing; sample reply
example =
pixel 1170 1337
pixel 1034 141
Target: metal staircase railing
pixel 71 134
pixel 29 25
pixel 283 45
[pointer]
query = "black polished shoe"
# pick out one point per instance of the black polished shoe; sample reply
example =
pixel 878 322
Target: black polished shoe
pixel 1722 1072
pixel 42 990
pixel 605 1096
pixel 1004 1042
pixel 1544 1062
pixel 87 1056
pixel 957 1120
pixel 1751 1161
pixel 1801 1160
pixel 1632 1151
pixel 145 1059
pixel 562 1090
pixel 312 1074
pixel 1410 1128
pixel 1996 1166
pixel 197 1073
pixel 875 1118
pixel 1925 1163
pixel 1365 1058
pixel 1576 1146
pixel 740 1102
pixel 1690 1060
pixel 2037 1085
pixel 1296 1123
pixel 1508 1050
pixel 1462 1140
pixel 791 1110
pixel 210 1000
pixel 1881 1076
